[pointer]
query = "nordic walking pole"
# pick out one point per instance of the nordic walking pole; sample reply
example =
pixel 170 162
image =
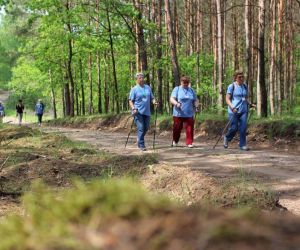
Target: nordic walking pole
pixel 154 134
pixel 195 122
pixel 129 131
pixel 251 108
pixel 228 124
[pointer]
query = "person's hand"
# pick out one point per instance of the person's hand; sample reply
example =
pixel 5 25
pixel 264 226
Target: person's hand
pixel 234 110
pixel 134 111
pixel 252 105
pixel 197 109
pixel 156 104
pixel 178 105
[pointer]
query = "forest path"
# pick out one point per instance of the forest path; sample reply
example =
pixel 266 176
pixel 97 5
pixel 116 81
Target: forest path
pixel 279 170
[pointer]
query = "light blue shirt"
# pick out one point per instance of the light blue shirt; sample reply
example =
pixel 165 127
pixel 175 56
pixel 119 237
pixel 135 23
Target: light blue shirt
pixel 186 97
pixel 238 97
pixel 141 98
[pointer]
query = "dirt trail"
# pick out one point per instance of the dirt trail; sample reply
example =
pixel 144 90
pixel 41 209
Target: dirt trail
pixel 279 170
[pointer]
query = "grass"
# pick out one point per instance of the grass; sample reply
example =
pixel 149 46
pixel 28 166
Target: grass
pixel 51 218
pixel 56 160
pixel 91 211
pixel 28 116
pixel 243 191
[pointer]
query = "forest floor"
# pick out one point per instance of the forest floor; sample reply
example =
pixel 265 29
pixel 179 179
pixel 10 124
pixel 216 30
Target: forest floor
pixel 200 180
pixel 278 170
pixel 276 165
pixel 196 179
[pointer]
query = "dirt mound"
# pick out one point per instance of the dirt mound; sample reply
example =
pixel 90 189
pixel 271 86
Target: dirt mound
pixel 60 172
pixel 121 215
pixel 193 229
pixel 179 183
pixel 15 133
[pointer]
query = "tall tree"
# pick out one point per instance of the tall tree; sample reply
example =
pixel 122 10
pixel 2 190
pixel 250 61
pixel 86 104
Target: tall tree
pixel 172 43
pixel 272 70
pixel 249 47
pixel 111 43
pixel 220 55
pixel 262 102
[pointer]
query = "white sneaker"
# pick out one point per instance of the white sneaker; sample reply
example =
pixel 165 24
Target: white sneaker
pixel 245 148
pixel 175 144
pixel 190 146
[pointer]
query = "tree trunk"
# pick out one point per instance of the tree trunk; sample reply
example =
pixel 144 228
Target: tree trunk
pixel 90 67
pixel 281 10
pixel 67 99
pixel 142 50
pixel 176 70
pixel 249 45
pixel 99 83
pixel 272 56
pixel 63 100
pixel 52 96
pixel 262 102
pixel 235 30
pixel 116 94
pixel 220 56
pixel 214 44
pixel 82 88
pixel 106 93
pixel 158 38
pixel 69 64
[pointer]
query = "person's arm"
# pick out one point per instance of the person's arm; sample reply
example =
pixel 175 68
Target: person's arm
pixel 196 101
pixel 229 103
pixel 131 102
pixel 229 98
pixel 173 99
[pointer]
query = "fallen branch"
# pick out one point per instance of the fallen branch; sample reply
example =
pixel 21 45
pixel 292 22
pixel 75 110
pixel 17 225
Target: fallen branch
pixel 13 194
pixel 7 143
pixel 3 164
pixel 38 156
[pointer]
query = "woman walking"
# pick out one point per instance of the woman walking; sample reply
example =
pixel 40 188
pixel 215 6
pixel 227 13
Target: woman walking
pixel 237 101
pixel 140 98
pixel 185 103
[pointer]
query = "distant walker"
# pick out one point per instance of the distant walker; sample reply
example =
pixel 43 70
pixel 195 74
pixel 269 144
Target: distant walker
pixel 39 111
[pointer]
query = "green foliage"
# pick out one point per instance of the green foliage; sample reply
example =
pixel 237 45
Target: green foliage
pixel 52 217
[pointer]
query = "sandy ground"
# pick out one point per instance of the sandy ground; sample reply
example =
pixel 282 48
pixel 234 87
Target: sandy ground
pixel 279 170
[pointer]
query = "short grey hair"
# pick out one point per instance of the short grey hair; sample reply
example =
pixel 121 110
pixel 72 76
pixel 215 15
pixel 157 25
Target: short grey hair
pixel 139 74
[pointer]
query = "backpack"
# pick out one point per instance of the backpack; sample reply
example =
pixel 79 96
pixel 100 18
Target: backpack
pixel 178 91
pixel 231 94
pixel 39 108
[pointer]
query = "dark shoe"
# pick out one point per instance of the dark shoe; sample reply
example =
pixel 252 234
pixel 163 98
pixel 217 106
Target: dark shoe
pixel 225 142
pixel 143 149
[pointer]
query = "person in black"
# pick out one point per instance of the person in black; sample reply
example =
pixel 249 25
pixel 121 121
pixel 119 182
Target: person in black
pixel 20 109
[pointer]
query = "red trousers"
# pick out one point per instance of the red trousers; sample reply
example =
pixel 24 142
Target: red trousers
pixel 189 128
